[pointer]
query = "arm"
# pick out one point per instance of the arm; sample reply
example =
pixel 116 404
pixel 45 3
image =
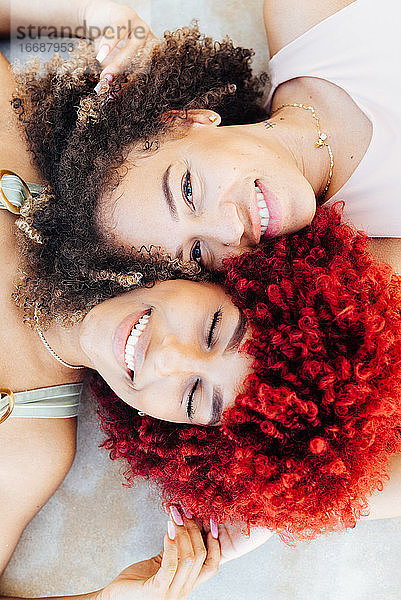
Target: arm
pixel 286 20
pixel 382 505
pixel 183 564
pixel 387 504
pixel 15 13
pixel 35 456
pixel 105 22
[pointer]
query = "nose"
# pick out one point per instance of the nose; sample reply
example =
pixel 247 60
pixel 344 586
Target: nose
pixel 229 228
pixel 171 358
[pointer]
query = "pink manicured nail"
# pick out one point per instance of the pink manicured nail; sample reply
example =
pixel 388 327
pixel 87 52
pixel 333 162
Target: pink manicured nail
pixel 107 78
pixel 103 52
pixel 186 512
pixel 98 88
pixel 214 529
pixel 170 530
pixel 176 515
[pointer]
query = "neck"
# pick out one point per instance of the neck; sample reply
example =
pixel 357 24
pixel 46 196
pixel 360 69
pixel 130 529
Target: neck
pixel 295 131
pixel 65 342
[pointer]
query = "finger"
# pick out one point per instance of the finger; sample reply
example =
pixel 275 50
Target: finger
pixel 186 512
pixel 187 559
pixel 169 564
pixel 115 36
pixel 125 54
pixel 199 550
pixel 212 562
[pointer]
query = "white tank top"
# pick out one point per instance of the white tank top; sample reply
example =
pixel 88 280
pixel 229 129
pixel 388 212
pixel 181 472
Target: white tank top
pixel 359 49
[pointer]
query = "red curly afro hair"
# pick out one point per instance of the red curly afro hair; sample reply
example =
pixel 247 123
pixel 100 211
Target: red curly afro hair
pixel 310 436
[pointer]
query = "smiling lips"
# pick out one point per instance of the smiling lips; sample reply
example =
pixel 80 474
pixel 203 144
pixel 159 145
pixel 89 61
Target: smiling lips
pixel 263 210
pixel 133 339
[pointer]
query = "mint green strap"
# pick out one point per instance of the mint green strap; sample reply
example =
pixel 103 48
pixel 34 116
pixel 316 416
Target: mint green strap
pixel 15 192
pixel 57 402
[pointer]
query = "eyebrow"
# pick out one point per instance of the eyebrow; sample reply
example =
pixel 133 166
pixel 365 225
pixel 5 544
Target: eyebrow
pixel 217 406
pixel 179 253
pixel 168 195
pixel 238 334
pixel 217 399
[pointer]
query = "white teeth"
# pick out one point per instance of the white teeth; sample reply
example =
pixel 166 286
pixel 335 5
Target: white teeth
pixel 130 363
pixel 263 210
pixel 129 348
pixel 132 341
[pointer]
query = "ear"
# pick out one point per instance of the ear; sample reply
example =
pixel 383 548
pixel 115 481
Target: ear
pixel 196 117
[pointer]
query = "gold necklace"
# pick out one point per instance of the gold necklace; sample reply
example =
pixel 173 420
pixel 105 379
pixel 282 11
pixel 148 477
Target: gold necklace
pixel 321 141
pixel 47 345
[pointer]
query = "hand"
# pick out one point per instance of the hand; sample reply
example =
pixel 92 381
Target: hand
pixel 118 33
pixel 183 564
pixel 234 542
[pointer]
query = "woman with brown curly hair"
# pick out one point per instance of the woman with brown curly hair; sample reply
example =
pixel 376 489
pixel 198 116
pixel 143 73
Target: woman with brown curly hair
pixel 184 141
pixel 85 147
pixel 42 371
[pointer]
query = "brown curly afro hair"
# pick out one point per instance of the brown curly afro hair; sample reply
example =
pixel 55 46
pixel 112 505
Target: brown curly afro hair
pixel 310 436
pixel 80 141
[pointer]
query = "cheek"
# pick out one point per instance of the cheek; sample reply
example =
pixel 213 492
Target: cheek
pixel 239 369
pixel 160 400
pixel 303 209
pixel 117 382
pixel 89 336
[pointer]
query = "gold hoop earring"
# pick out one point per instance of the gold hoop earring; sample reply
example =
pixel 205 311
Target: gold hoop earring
pixel 11 403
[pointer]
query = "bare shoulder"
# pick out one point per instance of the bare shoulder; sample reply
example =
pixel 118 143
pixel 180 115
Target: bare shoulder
pixel 35 456
pixel 286 20
pixel 387 250
pixel 14 154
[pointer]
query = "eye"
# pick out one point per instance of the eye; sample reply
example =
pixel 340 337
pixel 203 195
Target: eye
pixel 190 410
pixel 187 190
pixel 212 331
pixel 196 252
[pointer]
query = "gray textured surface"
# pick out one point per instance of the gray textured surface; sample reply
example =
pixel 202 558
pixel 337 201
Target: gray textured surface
pixel 93 527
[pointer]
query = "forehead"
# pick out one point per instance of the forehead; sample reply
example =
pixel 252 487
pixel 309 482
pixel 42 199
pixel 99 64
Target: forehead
pixel 140 177
pixel 187 289
pixel 178 143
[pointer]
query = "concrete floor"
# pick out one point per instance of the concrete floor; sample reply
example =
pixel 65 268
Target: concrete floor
pixel 93 527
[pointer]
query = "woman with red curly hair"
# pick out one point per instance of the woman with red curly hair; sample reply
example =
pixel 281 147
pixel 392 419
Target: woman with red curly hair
pixel 309 437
